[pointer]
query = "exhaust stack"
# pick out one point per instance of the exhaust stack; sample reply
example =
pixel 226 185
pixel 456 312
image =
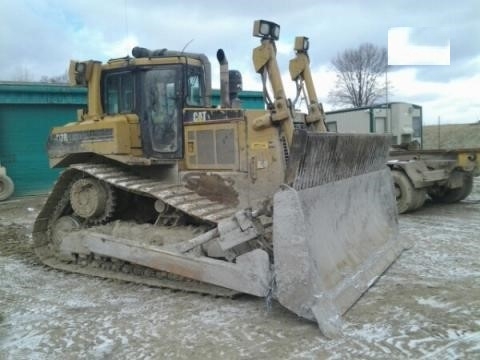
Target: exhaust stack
pixel 224 79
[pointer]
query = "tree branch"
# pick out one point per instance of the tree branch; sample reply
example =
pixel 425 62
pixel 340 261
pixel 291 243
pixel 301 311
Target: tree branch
pixel 359 73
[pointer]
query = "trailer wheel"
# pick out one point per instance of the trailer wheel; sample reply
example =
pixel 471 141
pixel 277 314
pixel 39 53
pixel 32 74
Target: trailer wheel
pixel 449 196
pixel 6 187
pixel 408 198
pixel 420 196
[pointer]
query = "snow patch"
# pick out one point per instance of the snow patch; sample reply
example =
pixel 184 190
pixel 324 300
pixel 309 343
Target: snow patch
pixel 433 302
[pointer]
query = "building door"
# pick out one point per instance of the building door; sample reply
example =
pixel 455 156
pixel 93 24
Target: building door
pixel 380 125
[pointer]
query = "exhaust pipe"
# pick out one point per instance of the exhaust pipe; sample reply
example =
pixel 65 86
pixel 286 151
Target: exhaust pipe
pixel 224 79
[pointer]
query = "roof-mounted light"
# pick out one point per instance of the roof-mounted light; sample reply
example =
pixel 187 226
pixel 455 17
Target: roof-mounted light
pixel 80 67
pixel 266 29
pixel 301 43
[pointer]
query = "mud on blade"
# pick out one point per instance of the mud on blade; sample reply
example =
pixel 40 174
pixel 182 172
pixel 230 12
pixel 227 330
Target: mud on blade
pixel 336 229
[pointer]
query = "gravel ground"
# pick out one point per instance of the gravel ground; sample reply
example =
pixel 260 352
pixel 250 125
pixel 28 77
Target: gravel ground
pixel 426 306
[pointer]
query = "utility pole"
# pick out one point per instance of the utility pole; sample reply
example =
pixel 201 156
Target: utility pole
pixel 388 124
pixel 438 132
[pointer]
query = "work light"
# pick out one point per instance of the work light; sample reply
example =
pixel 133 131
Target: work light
pixel 301 43
pixel 266 29
pixel 80 67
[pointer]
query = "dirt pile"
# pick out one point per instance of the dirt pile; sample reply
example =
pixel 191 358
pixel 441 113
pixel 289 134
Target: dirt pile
pixel 458 136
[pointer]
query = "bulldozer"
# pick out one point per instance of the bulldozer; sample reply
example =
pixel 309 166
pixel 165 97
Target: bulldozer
pixel 162 188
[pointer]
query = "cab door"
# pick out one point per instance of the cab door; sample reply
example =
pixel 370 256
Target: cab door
pixel 162 127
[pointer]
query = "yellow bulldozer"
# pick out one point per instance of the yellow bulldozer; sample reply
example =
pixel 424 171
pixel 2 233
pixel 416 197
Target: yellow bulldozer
pixel 163 189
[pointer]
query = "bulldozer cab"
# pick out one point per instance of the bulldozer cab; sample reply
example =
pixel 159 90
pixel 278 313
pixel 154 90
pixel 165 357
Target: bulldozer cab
pixel 157 94
pixel 135 107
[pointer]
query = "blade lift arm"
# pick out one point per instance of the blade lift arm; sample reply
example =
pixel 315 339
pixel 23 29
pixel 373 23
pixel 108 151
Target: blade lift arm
pixel 265 62
pixel 300 73
pixel 88 73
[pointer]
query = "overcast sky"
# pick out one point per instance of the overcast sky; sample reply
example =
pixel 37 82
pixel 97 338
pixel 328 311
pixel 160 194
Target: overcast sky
pixel 41 36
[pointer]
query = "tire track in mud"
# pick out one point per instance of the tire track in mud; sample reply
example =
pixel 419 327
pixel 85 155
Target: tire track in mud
pixel 16 241
pixel 16 221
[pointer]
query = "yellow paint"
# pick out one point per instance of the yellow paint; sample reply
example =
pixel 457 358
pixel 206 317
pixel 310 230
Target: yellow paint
pixel 123 62
pixel 191 148
pixel 126 135
pixel 469 161
pixel 260 146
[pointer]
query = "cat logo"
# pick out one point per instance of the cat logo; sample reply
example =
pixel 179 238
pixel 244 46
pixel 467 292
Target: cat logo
pixel 199 116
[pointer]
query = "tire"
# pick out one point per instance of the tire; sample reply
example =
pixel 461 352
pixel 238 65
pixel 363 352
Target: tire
pixel 408 198
pixel 449 196
pixel 420 198
pixel 6 187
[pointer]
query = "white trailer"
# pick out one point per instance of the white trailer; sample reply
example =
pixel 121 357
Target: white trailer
pixel 444 175
pixel 402 120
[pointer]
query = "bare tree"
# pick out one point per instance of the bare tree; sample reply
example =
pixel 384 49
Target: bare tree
pixel 23 74
pixel 59 79
pixel 360 76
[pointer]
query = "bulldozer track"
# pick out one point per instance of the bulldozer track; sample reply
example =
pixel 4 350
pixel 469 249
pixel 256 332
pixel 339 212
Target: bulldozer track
pixel 176 196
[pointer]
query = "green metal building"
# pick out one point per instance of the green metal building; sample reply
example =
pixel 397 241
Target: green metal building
pixel 27 113
pixel 248 99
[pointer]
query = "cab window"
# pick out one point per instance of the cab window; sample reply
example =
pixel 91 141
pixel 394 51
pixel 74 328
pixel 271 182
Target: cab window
pixel 195 88
pixel 119 93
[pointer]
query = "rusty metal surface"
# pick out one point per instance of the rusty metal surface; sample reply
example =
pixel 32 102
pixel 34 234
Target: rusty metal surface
pixel 319 158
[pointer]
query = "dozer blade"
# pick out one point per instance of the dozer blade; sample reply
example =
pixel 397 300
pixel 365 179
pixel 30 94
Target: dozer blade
pixel 335 230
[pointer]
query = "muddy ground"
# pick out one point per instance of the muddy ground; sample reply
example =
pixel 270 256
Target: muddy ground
pixel 426 306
